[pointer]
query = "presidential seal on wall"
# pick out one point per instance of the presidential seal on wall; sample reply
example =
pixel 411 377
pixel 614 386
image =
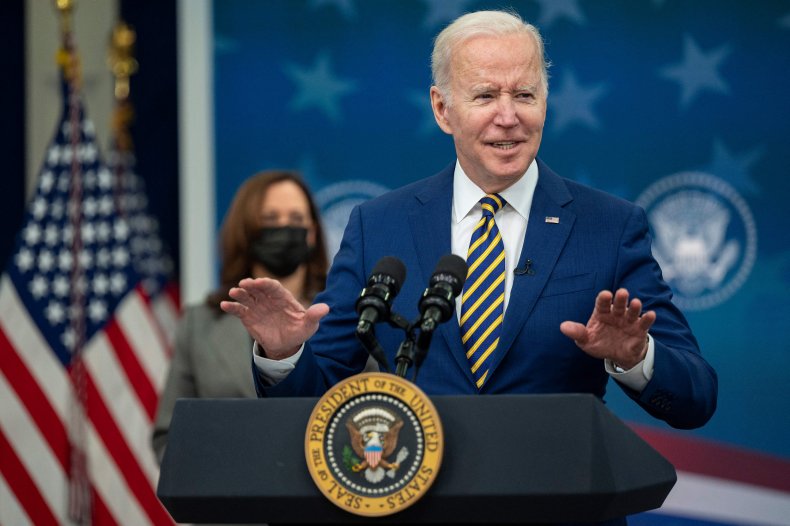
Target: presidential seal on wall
pixel 374 444
pixel 705 237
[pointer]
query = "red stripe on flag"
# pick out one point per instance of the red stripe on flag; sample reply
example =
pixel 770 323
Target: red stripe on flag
pixel 719 460
pixel 127 357
pixel 101 515
pixel 26 491
pixel 127 463
pixel 154 322
pixel 35 400
pixel 174 293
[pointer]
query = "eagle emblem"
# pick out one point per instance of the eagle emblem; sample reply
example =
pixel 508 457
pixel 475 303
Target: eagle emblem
pixel 374 438
pixel 705 237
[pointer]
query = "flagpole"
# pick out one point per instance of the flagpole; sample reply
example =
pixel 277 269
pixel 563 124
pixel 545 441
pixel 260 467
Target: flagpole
pixel 79 481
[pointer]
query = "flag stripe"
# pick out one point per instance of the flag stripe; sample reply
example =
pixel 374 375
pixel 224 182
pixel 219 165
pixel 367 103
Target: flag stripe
pixel 101 514
pixel 706 457
pixel 110 486
pixel 10 510
pixel 29 465
pixel 161 314
pixel 130 364
pixel 166 307
pixel 34 400
pixel 30 346
pixel 728 501
pixel 128 414
pixel 26 491
pixel 119 450
pixel 135 318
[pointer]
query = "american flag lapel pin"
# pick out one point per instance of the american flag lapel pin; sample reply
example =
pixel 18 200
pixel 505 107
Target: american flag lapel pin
pixel 552 219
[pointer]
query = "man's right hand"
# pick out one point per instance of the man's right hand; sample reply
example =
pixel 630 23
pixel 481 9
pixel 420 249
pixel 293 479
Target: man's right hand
pixel 273 317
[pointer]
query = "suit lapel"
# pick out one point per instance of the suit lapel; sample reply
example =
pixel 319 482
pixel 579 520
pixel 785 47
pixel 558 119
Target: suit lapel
pixel 430 220
pixel 543 245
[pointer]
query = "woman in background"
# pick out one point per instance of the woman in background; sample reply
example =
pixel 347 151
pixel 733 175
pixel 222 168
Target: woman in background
pixel 272 229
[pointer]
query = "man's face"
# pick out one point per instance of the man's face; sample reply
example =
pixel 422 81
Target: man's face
pixel 497 110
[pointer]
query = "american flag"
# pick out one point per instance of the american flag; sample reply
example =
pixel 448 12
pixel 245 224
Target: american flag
pixel 82 356
pixel 150 256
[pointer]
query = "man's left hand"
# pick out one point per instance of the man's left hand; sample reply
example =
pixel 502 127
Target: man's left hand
pixel 616 330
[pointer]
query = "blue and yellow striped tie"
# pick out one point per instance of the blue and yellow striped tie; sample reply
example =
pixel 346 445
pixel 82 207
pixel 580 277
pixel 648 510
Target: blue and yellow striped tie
pixel 482 303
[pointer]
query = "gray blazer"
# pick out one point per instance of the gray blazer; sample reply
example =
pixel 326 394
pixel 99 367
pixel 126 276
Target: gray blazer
pixel 211 360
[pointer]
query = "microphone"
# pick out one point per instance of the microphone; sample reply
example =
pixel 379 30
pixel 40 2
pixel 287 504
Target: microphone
pixel 438 301
pixel 373 304
pixel 436 306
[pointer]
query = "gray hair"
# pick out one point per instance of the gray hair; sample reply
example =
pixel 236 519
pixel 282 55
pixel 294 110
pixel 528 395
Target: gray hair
pixel 488 23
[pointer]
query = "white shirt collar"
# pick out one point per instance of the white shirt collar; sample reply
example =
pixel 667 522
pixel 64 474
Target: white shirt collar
pixel 467 194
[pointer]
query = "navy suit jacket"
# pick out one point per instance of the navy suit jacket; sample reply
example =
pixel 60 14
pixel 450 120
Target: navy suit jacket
pixel 600 242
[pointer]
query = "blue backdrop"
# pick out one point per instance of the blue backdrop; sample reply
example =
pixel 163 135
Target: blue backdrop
pixel 679 106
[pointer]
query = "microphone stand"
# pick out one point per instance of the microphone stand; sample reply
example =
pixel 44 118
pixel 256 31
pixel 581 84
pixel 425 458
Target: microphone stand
pixel 405 356
pixel 411 352
pixel 414 351
pixel 367 337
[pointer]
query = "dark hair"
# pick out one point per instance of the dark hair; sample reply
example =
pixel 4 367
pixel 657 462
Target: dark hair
pixel 241 224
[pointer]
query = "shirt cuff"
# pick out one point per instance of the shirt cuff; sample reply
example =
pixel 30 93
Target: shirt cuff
pixel 637 376
pixel 274 371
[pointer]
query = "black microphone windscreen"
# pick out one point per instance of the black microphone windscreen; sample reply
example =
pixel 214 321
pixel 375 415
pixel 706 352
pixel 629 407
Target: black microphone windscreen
pixel 454 266
pixel 392 267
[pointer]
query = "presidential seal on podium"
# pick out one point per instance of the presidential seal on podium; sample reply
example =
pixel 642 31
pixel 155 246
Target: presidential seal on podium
pixel 374 444
pixel 374 441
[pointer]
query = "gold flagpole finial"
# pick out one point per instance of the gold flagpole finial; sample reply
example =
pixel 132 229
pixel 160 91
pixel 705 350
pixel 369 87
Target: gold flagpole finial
pixel 123 65
pixel 65 8
pixel 121 58
pixel 67 57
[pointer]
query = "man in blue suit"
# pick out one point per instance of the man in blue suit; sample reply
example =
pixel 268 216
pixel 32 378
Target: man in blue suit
pixel 566 247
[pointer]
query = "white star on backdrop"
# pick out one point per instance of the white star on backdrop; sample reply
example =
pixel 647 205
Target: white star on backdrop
pixel 572 103
pixel 698 71
pixel 734 168
pixel 551 10
pixel 318 87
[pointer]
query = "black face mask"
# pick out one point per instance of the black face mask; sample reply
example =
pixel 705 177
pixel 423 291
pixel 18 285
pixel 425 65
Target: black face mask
pixel 280 249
